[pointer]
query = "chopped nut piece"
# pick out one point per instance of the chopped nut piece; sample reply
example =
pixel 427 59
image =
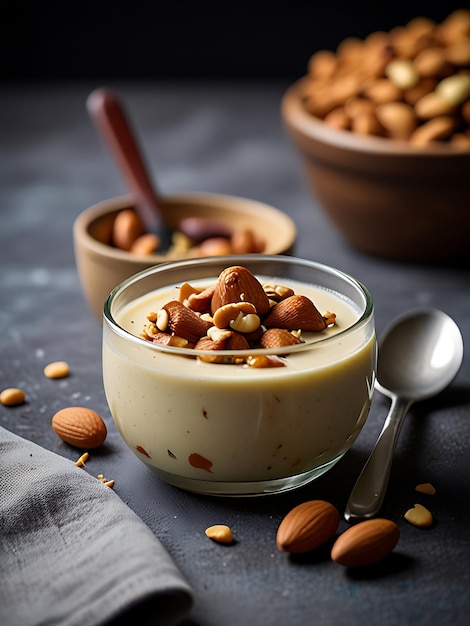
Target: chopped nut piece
pixel 262 360
pixel 58 369
pixel 426 488
pixel 105 481
pixel 419 516
pixel 152 317
pixel 81 461
pixel 220 533
pixel 12 396
pixel 185 291
pixel 330 318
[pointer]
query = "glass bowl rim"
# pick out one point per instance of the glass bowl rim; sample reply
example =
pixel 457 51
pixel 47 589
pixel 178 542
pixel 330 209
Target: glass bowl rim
pixel 238 259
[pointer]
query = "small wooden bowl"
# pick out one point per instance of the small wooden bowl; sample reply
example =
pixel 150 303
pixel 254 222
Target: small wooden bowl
pixel 101 266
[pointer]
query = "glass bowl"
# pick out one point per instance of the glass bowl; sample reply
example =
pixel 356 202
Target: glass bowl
pixel 230 428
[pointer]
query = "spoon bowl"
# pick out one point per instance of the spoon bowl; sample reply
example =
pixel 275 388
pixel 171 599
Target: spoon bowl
pixel 420 354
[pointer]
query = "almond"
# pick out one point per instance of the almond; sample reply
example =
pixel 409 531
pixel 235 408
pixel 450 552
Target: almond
pixel 184 322
pixel 80 427
pixel 201 301
pixel 206 343
pixel 277 338
pixel 365 543
pixel 237 341
pixel 127 227
pixel 307 526
pixel 237 283
pixel 295 312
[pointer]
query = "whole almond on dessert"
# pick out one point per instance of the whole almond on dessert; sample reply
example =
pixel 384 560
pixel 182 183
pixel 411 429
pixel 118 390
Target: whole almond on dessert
pixel 294 313
pixel 365 543
pixel 80 427
pixel 237 283
pixel 307 526
pixel 278 338
pixel 184 322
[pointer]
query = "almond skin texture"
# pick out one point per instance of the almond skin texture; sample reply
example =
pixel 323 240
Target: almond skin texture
pixel 365 543
pixel 307 526
pixel 237 284
pixel 295 313
pixel 80 427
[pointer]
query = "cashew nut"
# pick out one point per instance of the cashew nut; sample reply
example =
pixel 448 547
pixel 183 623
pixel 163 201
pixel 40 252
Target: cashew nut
pixel 245 323
pixel 162 319
pixel 229 312
pixel 218 334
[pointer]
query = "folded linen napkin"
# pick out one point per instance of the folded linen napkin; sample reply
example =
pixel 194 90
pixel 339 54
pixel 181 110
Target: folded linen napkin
pixel 73 553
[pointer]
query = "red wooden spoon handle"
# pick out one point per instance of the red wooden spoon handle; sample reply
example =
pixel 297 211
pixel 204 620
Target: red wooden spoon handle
pixel 110 118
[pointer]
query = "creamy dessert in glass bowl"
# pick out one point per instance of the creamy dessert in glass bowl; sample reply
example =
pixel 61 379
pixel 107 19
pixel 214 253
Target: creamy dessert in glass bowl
pixel 242 375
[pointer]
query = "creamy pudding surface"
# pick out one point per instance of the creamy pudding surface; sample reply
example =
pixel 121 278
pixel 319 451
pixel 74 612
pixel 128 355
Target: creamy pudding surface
pixel 194 421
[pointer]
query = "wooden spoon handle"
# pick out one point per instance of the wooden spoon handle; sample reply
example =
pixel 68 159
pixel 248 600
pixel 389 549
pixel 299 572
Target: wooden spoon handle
pixel 109 116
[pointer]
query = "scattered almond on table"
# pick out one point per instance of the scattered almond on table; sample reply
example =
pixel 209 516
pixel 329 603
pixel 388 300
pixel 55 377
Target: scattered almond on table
pixel 365 543
pixel 80 427
pixel 307 526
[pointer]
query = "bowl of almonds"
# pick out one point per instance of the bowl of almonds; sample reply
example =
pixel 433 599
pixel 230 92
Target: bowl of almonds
pixel 242 375
pixel 111 242
pixel 382 128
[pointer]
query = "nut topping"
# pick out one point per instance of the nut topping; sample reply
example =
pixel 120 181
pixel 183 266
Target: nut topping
pixel 237 313
pixel 278 337
pixel 295 312
pixel 184 322
pixel 237 284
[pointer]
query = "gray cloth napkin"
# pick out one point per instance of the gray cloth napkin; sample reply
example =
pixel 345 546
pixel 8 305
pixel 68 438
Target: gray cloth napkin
pixel 73 553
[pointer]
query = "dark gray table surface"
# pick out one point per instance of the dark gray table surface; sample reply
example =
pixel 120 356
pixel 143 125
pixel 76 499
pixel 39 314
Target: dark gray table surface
pixel 228 138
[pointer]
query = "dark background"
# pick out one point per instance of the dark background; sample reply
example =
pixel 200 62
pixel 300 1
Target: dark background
pixel 144 39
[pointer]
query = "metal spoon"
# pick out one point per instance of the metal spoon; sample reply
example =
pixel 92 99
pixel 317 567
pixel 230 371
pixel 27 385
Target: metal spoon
pixel 108 113
pixel 419 355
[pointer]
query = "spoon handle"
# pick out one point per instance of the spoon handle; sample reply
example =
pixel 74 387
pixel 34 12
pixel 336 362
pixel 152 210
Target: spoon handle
pixel 109 116
pixel 368 493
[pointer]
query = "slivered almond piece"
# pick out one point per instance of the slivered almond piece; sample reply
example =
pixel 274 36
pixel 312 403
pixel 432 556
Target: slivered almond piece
pixel 295 312
pixel 237 283
pixel 307 526
pixel 426 488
